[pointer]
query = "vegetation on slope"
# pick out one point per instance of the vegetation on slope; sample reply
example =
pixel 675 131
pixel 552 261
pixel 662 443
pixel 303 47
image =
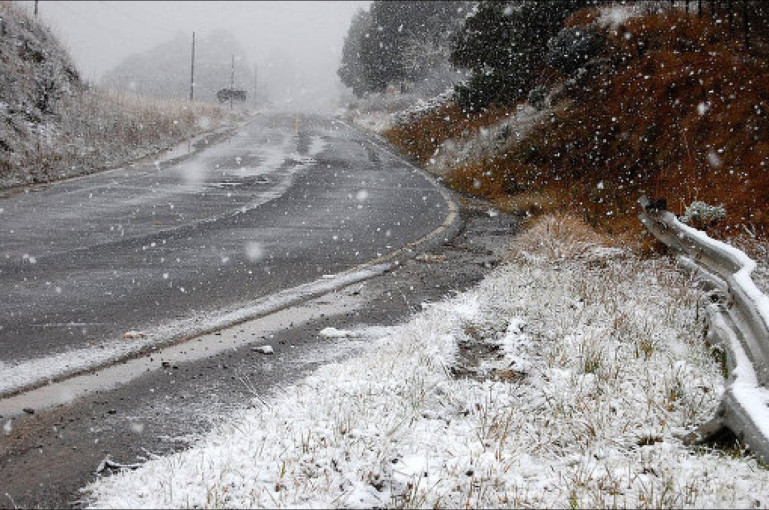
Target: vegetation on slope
pixel 672 106
pixel 55 126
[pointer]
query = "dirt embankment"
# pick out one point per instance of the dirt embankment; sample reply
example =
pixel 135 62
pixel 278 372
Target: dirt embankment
pixel 674 106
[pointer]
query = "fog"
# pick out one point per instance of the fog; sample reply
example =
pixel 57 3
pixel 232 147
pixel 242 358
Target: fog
pixel 295 46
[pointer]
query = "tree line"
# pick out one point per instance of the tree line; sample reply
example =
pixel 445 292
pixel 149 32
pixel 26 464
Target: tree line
pixel 494 49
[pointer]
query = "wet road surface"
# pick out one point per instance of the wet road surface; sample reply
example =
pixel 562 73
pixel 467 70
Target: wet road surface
pixel 285 201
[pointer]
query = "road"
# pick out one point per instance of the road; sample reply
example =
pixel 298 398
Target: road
pixel 296 205
pixel 48 456
pixel 284 202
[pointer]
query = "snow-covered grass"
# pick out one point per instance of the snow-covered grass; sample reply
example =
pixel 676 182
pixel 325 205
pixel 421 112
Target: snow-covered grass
pixel 486 142
pixel 56 126
pixel 615 15
pixel 424 106
pixel 378 111
pixel 564 379
pixel 97 129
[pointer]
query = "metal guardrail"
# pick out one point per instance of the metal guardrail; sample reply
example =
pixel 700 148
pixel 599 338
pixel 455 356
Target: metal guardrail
pixel 737 318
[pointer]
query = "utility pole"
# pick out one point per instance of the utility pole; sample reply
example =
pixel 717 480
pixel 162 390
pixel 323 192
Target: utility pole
pixel 36 8
pixel 192 69
pixel 232 80
pixel 256 81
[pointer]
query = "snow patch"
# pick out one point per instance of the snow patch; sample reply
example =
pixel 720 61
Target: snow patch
pixel 338 333
pixel 616 15
pixel 264 349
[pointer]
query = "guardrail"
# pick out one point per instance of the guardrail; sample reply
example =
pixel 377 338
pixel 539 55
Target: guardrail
pixel 737 318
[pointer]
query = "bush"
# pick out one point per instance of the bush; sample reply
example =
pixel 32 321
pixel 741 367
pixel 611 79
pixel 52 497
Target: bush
pixel 701 215
pixel 497 88
pixel 537 97
pixel 572 48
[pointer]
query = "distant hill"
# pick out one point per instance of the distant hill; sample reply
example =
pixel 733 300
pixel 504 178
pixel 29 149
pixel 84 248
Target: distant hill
pixel 164 71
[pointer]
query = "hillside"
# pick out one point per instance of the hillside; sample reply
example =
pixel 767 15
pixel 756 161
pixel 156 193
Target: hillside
pixel 672 105
pixel 36 73
pixel 56 126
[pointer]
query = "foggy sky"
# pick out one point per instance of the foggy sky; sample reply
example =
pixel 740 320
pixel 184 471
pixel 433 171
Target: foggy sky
pixel 303 39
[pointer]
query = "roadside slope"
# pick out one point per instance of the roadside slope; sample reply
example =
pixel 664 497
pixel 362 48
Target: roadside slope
pixel 57 126
pixel 673 106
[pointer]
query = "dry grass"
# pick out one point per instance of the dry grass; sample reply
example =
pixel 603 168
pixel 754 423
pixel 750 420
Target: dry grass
pixel 420 139
pixel 529 203
pixel 101 129
pixel 138 121
pixel 557 237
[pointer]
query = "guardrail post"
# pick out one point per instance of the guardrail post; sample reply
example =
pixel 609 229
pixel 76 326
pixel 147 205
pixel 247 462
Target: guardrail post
pixel 739 325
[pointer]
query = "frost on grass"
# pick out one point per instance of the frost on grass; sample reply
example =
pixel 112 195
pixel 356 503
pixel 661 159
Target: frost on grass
pixel 582 374
pixel 700 214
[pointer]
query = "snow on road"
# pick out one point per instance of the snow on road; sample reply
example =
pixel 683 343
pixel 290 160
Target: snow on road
pixel 557 382
pixel 266 160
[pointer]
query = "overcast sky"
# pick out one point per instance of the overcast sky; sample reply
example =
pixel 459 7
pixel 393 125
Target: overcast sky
pixel 307 34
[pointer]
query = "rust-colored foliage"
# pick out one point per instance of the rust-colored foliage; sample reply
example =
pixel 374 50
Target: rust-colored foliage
pixel 681 112
pixel 684 117
pixel 420 138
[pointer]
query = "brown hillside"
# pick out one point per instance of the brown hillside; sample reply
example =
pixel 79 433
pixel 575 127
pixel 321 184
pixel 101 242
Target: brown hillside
pixel 677 109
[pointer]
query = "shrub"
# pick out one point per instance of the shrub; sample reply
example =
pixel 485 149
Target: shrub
pixel 496 88
pixel 557 237
pixel 537 97
pixel 573 47
pixel 701 215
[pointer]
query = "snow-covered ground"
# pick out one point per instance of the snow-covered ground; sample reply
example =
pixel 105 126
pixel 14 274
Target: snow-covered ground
pixel 565 379
pixel 378 112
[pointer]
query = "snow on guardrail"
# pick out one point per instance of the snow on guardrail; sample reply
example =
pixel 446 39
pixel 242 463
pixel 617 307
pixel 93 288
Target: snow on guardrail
pixel 737 320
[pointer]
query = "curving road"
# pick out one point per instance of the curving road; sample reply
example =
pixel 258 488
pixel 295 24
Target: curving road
pixel 283 202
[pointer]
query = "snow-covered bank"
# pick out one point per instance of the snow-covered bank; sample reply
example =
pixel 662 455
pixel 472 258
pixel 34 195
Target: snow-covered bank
pixel 564 379
pixel 57 126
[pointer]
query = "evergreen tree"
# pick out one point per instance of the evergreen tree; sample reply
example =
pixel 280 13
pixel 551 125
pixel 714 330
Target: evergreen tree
pixel 351 68
pixel 429 38
pixel 503 45
pixel 385 41
pixel 397 42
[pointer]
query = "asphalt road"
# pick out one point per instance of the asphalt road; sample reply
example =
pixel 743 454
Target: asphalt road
pixel 283 202
pixel 48 456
